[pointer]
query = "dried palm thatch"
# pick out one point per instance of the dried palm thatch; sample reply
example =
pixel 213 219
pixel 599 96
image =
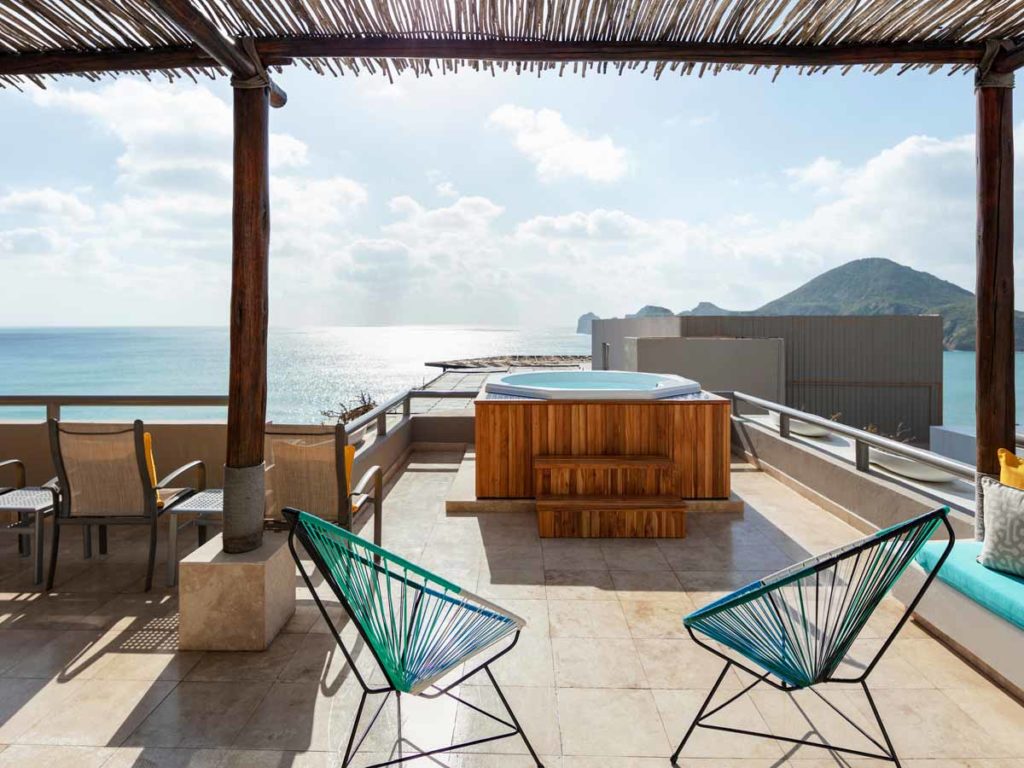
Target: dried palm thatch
pixel 439 36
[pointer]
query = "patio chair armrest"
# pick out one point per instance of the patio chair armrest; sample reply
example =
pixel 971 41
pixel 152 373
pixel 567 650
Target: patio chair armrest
pixel 198 466
pixel 372 475
pixel 19 471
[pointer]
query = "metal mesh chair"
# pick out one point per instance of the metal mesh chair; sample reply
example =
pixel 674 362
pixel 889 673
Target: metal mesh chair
pixel 29 507
pixel 104 480
pixel 418 626
pixel 799 624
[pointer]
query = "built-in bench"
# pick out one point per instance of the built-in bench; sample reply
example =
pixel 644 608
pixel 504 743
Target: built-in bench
pixel 978 610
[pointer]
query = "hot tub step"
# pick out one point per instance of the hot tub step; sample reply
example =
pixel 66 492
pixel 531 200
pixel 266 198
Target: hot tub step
pixel 604 517
pixel 612 461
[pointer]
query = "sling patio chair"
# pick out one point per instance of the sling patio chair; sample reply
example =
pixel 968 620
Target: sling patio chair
pixel 797 626
pixel 419 627
pixel 311 470
pixel 107 477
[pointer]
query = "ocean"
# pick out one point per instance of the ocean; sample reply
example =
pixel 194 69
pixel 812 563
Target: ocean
pixel 309 369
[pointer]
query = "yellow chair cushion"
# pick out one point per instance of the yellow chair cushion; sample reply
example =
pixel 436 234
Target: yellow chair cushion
pixel 350 458
pixel 147 442
pixel 1011 469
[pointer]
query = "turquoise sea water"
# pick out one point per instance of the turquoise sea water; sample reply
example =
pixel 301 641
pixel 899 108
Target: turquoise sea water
pixel 958 388
pixel 310 369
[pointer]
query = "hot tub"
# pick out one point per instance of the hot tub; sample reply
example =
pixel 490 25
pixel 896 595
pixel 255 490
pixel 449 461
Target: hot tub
pixel 592 385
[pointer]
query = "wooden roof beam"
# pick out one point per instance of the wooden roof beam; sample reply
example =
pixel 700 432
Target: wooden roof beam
pixel 223 49
pixel 280 51
pixel 559 51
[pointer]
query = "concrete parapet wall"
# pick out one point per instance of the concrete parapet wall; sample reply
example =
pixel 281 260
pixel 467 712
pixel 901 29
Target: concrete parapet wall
pixel 754 366
pixel 866 500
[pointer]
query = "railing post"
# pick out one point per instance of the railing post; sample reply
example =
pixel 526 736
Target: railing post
pixel 406 407
pixel 862 451
pixel 382 424
pixel 52 410
pixel 784 424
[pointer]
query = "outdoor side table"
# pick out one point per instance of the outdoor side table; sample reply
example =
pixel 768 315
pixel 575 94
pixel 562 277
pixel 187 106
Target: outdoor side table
pixel 205 508
pixel 31 505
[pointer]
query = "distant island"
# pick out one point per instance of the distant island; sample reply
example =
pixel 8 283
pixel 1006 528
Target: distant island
pixel 867 287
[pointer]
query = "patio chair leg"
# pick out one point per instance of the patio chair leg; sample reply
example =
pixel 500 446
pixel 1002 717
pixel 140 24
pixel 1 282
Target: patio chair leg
pixel 23 542
pixel 172 550
pixel 200 533
pixel 152 555
pixel 703 708
pixel 512 716
pixel 353 744
pixel 87 542
pixel 54 544
pixel 103 539
pixel 881 726
pixel 37 551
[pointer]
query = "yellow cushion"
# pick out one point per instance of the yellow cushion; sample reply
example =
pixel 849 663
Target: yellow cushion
pixel 350 457
pixel 147 442
pixel 1011 469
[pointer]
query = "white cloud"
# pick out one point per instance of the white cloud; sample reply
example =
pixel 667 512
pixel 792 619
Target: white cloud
pixel 556 150
pixel 166 222
pixel 46 201
pixel 446 189
pixel 446 256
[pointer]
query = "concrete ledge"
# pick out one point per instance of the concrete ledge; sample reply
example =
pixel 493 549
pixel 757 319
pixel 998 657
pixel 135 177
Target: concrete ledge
pixel 235 602
pixel 866 500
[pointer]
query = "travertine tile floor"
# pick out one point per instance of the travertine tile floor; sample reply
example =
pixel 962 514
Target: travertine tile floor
pixel 603 676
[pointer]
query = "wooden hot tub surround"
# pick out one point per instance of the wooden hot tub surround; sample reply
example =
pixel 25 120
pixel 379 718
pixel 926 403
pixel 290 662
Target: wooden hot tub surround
pixel 617 468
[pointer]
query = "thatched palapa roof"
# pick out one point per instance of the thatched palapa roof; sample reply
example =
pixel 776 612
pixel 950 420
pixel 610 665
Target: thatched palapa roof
pixel 41 38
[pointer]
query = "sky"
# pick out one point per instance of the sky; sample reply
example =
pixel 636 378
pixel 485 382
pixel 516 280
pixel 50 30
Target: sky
pixel 480 199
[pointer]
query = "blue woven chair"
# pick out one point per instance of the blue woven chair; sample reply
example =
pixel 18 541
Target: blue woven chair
pixel 797 626
pixel 418 626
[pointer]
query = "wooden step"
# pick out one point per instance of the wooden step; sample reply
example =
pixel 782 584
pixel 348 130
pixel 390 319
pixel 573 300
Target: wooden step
pixel 611 502
pixel 610 517
pixel 609 461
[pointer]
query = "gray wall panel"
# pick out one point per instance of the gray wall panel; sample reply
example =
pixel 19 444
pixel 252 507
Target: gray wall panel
pixel 884 371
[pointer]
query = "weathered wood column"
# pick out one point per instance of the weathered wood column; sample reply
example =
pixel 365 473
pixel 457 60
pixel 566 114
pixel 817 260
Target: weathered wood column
pixel 247 385
pixel 994 356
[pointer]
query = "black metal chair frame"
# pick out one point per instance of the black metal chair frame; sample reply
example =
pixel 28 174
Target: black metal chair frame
pixel 151 510
pixel 886 751
pixel 352 747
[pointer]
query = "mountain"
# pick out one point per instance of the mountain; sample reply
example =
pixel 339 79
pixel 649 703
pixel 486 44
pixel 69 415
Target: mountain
pixel 869 287
pixel 872 287
pixel 883 287
pixel 586 322
pixel 707 309
pixel 653 310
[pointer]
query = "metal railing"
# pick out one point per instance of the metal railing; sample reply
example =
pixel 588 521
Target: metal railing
pixel 378 416
pixel 54 403
pixel 863 441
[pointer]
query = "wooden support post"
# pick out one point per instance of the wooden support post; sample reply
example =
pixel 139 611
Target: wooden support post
pixel 247 385
pixel 994 356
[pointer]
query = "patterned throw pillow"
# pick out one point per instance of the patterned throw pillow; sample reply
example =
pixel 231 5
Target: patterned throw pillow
pixel 1003 549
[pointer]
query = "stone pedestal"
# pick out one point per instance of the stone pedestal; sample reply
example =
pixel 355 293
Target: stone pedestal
pixel 235 602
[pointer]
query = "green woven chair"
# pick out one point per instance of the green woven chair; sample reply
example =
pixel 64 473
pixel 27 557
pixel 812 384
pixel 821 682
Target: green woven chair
pixel 418 626
pixel 797 626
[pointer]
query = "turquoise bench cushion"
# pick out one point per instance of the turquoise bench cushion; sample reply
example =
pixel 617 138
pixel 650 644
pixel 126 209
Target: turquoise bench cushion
pixel 1001 593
